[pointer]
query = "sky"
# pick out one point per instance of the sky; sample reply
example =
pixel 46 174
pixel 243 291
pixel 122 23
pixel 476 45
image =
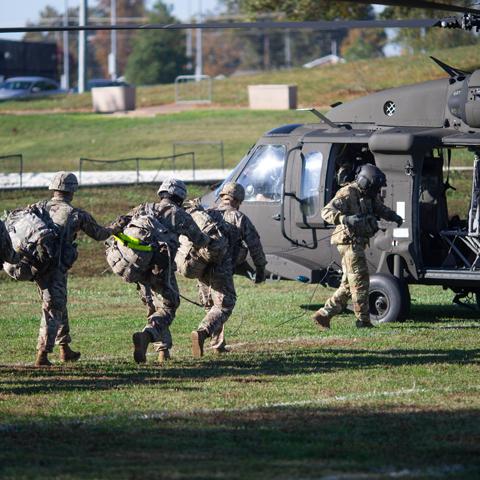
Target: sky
pixel 17 13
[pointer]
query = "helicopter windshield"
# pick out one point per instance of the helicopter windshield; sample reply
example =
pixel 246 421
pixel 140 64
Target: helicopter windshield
pixel 262 176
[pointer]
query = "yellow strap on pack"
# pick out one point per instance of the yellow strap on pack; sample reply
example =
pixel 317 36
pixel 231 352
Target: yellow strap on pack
pixel 132 242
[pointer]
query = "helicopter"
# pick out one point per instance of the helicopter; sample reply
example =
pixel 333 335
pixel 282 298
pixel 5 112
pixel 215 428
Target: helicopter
pixel 409 132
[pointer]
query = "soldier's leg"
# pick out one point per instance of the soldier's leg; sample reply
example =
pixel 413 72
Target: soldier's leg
pixel 146 296
pixel 167 301
pixel 338 301
pixel 359 281
pixel 223 298
pixel 52 288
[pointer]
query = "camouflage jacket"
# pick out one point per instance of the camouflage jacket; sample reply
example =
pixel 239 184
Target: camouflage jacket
pixel 7 253
pixel 65 215
pixel 176 219
pixel 247 233
pixel 350 200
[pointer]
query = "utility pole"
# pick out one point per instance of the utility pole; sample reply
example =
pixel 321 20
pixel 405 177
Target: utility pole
pixel 198 57
pixel 66 52
pixel 288 49
pixel 82 47
pixel 112 58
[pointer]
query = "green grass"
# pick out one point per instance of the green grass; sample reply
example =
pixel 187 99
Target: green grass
pixel 287 402
pixel 320 87
pixel 55 142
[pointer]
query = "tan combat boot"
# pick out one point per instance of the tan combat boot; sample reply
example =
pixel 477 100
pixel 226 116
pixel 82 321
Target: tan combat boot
pixel 140 344
pixel 42 360
pixel 221 350
pixel 321 319
pixel 198 339
pixel 67 354
pixel 163 356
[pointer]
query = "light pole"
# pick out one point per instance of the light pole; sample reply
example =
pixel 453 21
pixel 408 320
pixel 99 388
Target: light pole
pixel 112 58
pixel 82 47
pixel 66 56
pixel 198 57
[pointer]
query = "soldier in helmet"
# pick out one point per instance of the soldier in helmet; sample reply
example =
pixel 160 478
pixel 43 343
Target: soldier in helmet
pixel 7 253
pixel 355 210
pixel 159 291
pixel 52 284
pixel 217 291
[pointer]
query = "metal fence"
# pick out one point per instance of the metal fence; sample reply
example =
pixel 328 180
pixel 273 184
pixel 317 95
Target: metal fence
pixel 193 89
pixel 12 164
pixel 219 145
pixel 136 163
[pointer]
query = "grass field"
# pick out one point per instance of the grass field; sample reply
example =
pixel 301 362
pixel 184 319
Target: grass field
pixel 320 87
pixel 399 401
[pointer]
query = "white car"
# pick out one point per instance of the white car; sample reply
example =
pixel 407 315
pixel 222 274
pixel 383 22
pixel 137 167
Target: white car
pixel 28 87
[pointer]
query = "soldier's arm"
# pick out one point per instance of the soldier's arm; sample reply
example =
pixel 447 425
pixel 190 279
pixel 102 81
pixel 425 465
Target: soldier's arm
pixel 384 212
pixel 251 237
pixel 94 230
pixel 7 253
pixel 335 211
pixel 185 225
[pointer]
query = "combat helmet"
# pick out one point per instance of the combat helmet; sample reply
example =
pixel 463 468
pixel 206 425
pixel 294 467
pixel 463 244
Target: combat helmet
pixel 173 187
pixel 234 190
pixel 64 182
pixel 371 179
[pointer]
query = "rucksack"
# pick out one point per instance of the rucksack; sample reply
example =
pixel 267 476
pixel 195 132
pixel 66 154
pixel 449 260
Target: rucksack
pixel 37 237
pixel 144 243
pixel 191 261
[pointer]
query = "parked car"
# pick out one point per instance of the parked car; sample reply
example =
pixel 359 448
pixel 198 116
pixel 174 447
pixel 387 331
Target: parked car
pixel 28 87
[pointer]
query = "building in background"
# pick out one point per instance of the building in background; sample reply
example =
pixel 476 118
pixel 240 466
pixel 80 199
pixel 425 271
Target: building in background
pixel 28 59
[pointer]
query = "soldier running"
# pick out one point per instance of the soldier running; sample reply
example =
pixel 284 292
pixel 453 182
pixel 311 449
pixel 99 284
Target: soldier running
pixel 354 210
pixel 216 288
pixel 159 290
pixel 52 284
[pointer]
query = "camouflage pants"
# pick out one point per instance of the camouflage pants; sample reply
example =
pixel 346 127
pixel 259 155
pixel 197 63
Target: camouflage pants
pixel 217 294
pixel 54 328
pixel 159 292
pixel 355 284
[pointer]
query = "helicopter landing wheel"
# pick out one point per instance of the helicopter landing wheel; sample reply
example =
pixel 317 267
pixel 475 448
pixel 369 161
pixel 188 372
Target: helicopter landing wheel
pixel 387 299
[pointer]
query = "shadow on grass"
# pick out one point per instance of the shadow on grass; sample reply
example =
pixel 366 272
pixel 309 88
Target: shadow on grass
pixel 264 443
pixel 431 313
pixel 28 380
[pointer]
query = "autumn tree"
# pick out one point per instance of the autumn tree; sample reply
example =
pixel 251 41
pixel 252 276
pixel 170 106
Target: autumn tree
pixel 125 39
pixel 158 55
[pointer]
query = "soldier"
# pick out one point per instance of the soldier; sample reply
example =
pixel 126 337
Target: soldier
pixel 52 284
pixel 159 290
pixel 216 288
pixel 7 253
pixel 354 210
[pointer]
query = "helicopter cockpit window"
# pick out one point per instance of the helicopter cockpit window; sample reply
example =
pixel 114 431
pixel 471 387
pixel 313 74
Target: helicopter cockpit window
pixel 263 175
pixel 312 168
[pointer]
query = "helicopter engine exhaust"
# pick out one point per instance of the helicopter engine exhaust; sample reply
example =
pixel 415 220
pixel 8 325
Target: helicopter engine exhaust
pixel 464 103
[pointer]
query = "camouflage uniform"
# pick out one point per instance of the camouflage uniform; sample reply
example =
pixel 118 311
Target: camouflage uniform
pixel 216 288
pixel 52 285
pixel 159 289
pixel 7 253
pixel 350 200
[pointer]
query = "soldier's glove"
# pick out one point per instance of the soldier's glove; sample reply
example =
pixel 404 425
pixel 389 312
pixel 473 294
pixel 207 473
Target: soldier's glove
pixel 371 224
pixel 354 221
pixel 260 275
pixel 397 219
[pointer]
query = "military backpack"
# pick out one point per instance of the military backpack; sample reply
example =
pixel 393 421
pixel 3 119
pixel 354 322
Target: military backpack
pixel 145 243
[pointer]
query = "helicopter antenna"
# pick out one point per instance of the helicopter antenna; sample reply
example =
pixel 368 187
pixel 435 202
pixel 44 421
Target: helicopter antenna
pixel 452 71
pixel 321 116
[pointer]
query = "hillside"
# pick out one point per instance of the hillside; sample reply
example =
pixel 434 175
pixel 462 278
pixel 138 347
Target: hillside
pixel 319 87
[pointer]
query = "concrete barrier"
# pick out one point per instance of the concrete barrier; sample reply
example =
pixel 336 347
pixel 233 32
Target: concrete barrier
pixel 272 97
pixel 113 99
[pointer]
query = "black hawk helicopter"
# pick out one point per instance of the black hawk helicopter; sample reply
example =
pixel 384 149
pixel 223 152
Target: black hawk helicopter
pixel 409 132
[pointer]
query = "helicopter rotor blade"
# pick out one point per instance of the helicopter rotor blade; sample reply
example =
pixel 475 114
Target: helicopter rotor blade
pixel 423 4
pixel 311 25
